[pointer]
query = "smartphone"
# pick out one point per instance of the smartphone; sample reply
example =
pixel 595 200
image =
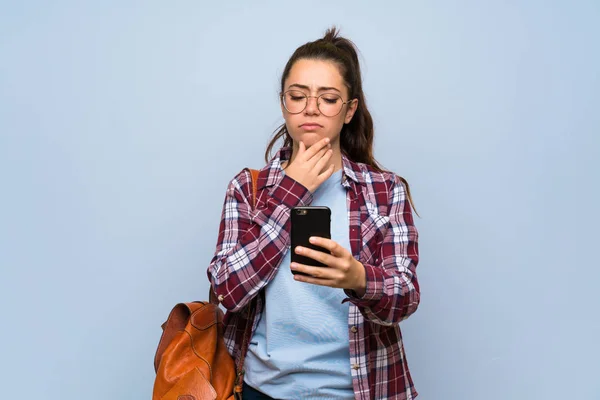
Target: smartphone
pixel 306 222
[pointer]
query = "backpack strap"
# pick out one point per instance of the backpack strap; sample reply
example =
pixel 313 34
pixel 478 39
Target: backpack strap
pixel 254 173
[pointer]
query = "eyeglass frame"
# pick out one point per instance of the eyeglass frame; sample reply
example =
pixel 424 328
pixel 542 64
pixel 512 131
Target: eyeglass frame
pixel 316 97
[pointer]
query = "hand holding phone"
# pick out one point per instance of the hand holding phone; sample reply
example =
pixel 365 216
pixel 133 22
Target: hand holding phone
pixel 306 222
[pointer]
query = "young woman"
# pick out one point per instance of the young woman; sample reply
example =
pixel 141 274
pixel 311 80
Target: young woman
pixel 330 332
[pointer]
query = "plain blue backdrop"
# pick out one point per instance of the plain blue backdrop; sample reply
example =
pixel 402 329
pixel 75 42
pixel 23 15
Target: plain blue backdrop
pixel 121 123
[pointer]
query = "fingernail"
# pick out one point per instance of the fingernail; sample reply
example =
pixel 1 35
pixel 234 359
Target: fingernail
pixel 312 239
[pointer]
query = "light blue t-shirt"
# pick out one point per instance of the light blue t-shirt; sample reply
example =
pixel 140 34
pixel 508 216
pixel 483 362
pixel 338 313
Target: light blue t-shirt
pixel 301 345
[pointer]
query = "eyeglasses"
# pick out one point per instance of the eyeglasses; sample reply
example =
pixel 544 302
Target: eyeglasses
pixel 329 104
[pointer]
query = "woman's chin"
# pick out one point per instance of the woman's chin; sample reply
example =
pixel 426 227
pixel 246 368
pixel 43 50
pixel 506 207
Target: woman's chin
pixel 310 138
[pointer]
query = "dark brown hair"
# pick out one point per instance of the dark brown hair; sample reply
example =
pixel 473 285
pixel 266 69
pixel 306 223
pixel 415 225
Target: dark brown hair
pixel 356 137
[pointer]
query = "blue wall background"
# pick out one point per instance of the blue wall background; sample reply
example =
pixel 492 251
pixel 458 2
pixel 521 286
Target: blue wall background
pixel 121 124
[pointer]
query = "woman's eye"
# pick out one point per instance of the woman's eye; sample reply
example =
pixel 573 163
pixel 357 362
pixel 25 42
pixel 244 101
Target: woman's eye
pixel 330 100
pixel 297 98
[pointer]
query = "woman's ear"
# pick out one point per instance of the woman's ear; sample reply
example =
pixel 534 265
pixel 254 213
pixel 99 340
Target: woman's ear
pixel 352 107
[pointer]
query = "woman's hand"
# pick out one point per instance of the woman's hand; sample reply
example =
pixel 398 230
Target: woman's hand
pixel 308 166
pixel 342 271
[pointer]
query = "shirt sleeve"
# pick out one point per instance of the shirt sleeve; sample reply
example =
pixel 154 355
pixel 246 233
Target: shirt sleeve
pixel 392 292
pixel 252 242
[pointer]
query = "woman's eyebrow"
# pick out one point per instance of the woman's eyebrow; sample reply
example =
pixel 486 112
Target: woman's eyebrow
pixel 319 89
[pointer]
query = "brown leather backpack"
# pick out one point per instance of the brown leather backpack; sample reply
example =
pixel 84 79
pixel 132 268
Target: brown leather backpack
pixel 192 361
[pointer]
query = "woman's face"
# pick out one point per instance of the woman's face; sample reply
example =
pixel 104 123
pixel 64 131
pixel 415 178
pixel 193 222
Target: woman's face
pixel 314 78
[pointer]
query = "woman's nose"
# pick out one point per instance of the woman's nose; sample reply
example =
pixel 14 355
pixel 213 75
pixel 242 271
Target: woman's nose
pixel 312 105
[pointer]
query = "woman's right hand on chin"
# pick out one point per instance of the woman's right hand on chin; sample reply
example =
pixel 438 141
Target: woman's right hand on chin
pixel 308 167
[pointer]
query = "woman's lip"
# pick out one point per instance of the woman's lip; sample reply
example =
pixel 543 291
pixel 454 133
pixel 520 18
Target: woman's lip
pixel 310 126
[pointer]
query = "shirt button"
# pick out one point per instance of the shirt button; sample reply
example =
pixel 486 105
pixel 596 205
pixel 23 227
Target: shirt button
pixel 220 298
pixel 355 366
pixel 353 329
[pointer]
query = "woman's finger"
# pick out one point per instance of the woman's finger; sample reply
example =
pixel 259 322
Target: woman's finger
pixel 301 148
pixel 316 281
pixel 316 255
pixel 315 272
pixel 325 175
pixel 322 162
pixel 332 246
pixel 317 157
pixel 315 148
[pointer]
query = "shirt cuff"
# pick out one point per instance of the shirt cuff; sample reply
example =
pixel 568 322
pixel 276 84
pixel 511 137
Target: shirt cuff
pixel 291 193
pixel 374 290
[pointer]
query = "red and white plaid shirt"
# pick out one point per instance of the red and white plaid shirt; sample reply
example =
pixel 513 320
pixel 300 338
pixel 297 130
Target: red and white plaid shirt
pixel 253 242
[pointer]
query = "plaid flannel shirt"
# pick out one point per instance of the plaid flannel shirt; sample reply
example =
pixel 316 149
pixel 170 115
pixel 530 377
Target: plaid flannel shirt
pixel 253 242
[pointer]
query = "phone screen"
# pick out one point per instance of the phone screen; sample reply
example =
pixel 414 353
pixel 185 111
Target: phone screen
pixel 306 222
